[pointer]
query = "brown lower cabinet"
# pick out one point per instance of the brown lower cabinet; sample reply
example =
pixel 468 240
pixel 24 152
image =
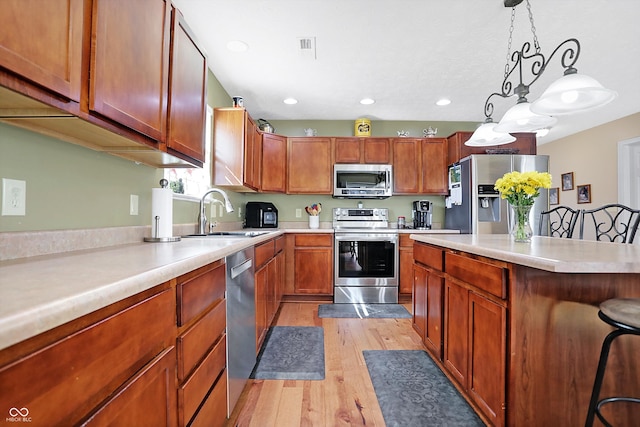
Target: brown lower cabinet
pixel 311 272
pixel 157 358
pixel 269 278
pixel 460 312
pixel 114 366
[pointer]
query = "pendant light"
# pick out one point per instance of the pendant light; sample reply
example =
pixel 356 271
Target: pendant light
pixel 572 93
pixel 486 136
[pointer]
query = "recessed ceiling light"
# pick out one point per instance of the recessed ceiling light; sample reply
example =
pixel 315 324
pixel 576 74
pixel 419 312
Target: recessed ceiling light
pixel 443 102
pixel 367 101
pixel 290 101
pixel 237 46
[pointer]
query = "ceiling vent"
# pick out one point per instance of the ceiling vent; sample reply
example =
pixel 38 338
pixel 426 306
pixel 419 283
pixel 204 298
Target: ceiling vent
pixel 307 47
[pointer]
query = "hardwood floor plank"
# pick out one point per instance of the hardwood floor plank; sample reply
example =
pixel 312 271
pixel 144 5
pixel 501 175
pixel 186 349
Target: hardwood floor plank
pixel 346 396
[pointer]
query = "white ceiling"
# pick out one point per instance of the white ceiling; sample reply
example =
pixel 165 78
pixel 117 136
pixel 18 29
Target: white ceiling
pixel 407 54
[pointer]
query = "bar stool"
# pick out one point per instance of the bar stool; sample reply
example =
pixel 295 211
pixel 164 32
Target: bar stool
pixel 624 315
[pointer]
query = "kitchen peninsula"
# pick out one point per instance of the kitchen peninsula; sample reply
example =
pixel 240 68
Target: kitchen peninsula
pixel 520 332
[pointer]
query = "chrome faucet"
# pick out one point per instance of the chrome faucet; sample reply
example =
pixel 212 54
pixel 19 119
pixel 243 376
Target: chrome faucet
pixel 202 217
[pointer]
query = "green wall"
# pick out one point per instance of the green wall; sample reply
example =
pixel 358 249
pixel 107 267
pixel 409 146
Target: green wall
pixel 72 187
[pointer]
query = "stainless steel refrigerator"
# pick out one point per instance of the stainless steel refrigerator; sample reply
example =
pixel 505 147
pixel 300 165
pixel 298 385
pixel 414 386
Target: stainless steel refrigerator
pixel 473 205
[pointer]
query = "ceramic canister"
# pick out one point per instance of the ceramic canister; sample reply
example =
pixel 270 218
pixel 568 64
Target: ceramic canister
pixel 363 127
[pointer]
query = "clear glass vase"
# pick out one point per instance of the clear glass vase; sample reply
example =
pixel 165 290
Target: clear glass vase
pixel 519 223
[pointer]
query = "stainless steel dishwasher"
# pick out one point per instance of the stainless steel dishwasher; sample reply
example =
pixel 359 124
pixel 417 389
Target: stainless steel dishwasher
pixel 241 323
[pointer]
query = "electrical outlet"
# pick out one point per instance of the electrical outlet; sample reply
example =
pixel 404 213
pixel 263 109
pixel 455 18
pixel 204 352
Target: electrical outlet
pixel 239 211
pixel 298 213
pixel 14 197
pixel 133 204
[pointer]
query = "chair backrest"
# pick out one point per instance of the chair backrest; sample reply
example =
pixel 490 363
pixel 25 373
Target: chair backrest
pixel 611 223
pixel 558 222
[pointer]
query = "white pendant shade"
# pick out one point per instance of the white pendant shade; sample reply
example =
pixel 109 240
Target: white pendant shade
pixel 572 93
pixel 520 118
pixel 486 136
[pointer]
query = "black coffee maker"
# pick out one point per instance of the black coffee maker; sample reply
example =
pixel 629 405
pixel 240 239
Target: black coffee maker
pixel 422 214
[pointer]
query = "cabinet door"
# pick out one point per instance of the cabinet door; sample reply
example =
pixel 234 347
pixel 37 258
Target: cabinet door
pixel 347 150
pixel 53 58
pixel 228 143
pixel 376 150
pixel 456 331
pixel 487 353
pixel 434 166
pixel 251 153
pixel 420 275
pixel 130 64
pixel 310 166
pixel 149 398
pixel 406 166
pixel 274 163
pixel 313 271
pixel 187 92
pixel 434 320
pixel 406 264
pixel 261 287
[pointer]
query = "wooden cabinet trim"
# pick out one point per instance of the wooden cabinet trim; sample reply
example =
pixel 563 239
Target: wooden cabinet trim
pixel 430 256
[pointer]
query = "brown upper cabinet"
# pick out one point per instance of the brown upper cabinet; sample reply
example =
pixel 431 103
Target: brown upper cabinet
pixel 247 159
pixel 187 91
pixel 363 150
pixel 525 143
pixel 310 166
pixel 273 177
pixel 98 75
pixel 56 61
pixel 419 165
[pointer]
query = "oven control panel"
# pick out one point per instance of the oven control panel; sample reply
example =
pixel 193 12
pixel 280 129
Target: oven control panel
pixel 360 217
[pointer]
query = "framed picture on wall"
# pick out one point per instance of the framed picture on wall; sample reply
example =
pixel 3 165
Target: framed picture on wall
pixel 584 193
pixel 567 181
pixel 554 197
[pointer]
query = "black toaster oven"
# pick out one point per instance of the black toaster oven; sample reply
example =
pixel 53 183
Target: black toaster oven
pixel 260 215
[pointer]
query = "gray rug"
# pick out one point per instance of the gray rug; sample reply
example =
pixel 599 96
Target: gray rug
pixel 363 311
pixel 412 391
pixel 291 353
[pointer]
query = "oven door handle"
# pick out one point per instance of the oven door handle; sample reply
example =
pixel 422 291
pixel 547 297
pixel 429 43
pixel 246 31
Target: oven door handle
pixel 393 238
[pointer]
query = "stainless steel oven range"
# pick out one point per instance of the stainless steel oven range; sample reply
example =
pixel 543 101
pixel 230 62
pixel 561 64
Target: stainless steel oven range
pixel 366 256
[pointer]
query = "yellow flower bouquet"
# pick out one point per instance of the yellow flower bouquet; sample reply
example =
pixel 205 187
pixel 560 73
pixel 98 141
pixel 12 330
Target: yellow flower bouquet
pixel 520 189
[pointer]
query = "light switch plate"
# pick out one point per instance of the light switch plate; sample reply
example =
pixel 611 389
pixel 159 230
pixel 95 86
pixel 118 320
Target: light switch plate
pixel 14 197
pixel 133 204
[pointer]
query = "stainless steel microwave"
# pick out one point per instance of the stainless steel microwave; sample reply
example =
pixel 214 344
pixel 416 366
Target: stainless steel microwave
pixel 358 181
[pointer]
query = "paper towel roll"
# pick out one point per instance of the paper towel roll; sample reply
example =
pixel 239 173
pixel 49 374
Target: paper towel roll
pixel 162 207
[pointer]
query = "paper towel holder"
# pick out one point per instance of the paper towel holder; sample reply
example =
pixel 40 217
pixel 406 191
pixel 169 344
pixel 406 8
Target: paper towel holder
pixel 163 184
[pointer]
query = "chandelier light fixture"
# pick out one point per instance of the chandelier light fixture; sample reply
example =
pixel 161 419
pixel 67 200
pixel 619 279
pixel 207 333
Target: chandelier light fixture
pixel 572 93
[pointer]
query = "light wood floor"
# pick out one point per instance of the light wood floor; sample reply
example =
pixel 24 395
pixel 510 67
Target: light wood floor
pixel 345 397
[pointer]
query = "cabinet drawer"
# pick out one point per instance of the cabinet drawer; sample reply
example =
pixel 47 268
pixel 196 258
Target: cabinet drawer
pixel 198 290
pixel 264 252
pixel 149 398
pixel 325 240
pixel 197 340
pixel 63 382
pixel 429 256
pixel 488 277
pixel 194 390
pixel 214 410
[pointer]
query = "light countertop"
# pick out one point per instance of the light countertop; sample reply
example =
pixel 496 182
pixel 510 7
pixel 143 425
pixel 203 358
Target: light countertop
pixel 545 253
pixel 41 292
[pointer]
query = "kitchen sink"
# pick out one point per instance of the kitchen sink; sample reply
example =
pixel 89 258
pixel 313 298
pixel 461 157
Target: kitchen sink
pixel 230 234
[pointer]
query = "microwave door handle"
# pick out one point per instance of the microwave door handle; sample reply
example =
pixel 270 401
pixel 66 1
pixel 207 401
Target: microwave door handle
pixel 261 217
